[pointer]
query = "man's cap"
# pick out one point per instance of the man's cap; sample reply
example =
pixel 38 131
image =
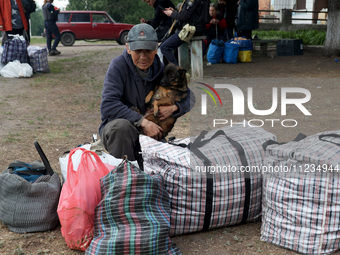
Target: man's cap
pixel 142 37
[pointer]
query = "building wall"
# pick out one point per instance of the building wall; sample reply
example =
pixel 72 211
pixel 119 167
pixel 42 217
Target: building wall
pixel 309 5
pixel 283 4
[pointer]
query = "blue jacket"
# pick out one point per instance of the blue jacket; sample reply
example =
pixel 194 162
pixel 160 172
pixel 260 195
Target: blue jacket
pixel 125 88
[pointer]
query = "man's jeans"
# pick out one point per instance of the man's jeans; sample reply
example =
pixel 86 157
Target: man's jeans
pixel 51 28
pixel 170 44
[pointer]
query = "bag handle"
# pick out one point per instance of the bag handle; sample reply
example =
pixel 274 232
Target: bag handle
pixel 71 173
pixel 44 158
pixel 194 147
pixel 298 138
pixel 321 138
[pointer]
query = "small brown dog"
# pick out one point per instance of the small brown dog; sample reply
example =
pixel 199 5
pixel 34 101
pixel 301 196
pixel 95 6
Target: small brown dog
pixel 173 88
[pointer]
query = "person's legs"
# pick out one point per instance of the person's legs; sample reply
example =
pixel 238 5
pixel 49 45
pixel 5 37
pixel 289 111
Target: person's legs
pixel 173 42
pixel 48 37
pixel 121 138
pixel 55 30
pixel 230 33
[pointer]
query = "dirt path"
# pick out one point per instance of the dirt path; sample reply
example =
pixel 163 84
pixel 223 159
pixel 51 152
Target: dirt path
pixel 61 110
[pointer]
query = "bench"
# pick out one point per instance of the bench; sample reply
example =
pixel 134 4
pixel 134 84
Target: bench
pixel 190 56
pixel 263 44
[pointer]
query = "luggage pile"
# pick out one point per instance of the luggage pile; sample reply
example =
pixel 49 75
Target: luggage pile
pixel 19 59
pixel 14 58
pixel 220 178
pixel 238 49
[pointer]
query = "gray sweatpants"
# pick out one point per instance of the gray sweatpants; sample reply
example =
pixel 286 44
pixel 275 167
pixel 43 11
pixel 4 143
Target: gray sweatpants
pixel 121 138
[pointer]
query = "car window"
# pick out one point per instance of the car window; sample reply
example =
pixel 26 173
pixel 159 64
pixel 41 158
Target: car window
pixel 64 17
pixel 100 18
pixel 80 17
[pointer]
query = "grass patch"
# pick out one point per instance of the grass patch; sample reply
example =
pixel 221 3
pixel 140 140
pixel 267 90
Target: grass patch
pixel 38 40
pixel 58 134
pixel 12 137
pixel 309 37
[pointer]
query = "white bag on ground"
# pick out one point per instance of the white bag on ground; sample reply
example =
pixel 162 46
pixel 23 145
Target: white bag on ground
pixel 97 147
pixel 16 69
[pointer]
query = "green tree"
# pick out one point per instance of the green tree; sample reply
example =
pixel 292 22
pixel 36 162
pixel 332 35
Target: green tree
pixel 81 5
pixel 125 11
pixel 37 22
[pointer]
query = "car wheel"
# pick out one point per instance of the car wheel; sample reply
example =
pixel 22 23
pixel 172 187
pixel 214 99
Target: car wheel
pixel 123 38
pixel 67 39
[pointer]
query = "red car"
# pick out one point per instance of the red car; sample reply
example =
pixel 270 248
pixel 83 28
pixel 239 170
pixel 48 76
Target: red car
pixel 89 25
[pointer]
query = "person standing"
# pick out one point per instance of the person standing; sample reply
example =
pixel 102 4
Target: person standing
pixel 51 16
pixel 12 18
pixel 191 13
pixel 29 7
pixel 248 17
pixel 161 22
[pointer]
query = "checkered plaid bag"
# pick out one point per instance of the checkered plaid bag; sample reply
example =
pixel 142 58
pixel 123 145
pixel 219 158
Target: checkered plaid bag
pixel 15 49
pixel 301 194
pixel 133 216
pixel 38 58
pixel 214 180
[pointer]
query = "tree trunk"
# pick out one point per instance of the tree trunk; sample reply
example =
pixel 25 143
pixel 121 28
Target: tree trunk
pixel 332 43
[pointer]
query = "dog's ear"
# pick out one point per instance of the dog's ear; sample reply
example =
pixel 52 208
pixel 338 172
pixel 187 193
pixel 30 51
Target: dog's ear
pixel 182 73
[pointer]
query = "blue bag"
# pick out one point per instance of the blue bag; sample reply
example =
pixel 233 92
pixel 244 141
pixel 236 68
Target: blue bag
pixel 231 49
pixel 215 51
pixel 27 171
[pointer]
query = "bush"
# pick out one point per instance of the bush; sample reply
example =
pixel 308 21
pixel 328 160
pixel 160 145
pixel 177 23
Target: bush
pixel 309 37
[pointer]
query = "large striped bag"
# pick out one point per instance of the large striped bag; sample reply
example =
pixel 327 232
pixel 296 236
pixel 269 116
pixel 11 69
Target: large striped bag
pixel 301 188
pixel 214 180
pixel 133 216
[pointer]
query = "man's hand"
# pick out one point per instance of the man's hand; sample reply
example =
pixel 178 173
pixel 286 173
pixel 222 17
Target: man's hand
pixel 165 112
pixel 168 11
pixel 142 20
pixel 214 21
pixel 151 129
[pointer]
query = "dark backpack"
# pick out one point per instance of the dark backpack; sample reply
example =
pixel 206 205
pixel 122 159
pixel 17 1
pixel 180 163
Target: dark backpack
pixel 205 11
pixel 29 6
pixel 202 16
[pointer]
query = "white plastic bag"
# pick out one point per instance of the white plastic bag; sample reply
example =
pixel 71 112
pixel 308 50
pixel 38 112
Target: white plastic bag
pixel 106 158
pixel 16 69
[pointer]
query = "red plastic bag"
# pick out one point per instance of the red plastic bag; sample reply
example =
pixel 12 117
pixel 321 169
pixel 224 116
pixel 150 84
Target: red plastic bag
pixel 79 197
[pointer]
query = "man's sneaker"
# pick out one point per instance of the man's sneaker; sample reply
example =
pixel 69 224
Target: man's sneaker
pixel 54 52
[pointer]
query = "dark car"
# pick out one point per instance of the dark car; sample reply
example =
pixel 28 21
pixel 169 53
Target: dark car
pixel 90 25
